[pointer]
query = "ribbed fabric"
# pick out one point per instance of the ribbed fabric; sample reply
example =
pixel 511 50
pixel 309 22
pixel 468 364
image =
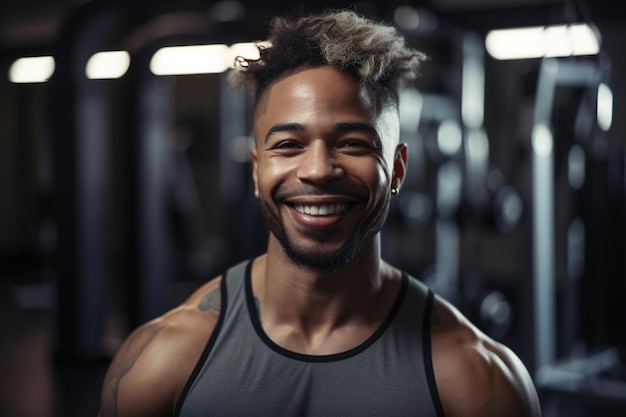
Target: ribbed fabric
pixel 243 373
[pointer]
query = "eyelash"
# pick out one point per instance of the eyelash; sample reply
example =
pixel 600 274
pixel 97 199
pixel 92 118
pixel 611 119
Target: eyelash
pixel 288 145
pixel 353 142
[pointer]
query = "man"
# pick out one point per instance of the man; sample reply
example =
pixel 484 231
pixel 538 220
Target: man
pixel 320 325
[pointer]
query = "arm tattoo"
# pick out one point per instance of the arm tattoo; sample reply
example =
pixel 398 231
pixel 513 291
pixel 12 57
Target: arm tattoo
pixel 211 301
pixel 121 366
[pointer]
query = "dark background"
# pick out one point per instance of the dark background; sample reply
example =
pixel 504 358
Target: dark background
pixel 119 197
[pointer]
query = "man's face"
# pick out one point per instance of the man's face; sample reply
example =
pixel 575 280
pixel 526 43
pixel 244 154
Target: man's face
pixel 324 163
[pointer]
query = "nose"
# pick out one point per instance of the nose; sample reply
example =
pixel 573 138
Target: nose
pixel 318 164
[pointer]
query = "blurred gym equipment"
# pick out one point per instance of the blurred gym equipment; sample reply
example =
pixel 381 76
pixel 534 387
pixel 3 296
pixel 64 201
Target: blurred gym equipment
pixel 574 374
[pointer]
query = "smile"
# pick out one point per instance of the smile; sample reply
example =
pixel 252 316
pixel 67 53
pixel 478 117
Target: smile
pixel 321 209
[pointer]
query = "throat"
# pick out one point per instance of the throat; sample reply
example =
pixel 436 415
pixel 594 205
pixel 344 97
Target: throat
pixel 319 340
pixel 308 321
pixel 308 313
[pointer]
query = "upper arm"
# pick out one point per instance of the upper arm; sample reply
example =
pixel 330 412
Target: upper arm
pixel 499 383
pixel 124 392
pixel 149 372
pixel 476 376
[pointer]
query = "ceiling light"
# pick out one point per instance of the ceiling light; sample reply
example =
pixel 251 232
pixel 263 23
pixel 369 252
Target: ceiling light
pixel 107 65
pixel 543 41
pixel 194 59
pixel 248 50
pixel 31 69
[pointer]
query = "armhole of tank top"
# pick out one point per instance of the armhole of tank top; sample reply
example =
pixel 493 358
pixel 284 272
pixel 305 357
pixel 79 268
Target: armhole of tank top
pixel 207 349
pixel 428 358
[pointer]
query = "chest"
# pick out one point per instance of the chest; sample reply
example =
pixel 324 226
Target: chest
pixel 278 386
pixel 244 373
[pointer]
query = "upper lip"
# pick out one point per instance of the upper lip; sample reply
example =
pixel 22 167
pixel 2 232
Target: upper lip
pixel 317 200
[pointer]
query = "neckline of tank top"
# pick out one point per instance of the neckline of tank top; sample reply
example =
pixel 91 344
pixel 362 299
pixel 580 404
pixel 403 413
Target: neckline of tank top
pixel 256 323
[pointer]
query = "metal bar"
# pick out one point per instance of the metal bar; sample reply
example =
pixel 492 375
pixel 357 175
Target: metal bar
pixel 552 73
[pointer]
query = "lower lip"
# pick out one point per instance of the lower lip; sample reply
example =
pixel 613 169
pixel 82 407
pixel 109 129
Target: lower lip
pixel 316 222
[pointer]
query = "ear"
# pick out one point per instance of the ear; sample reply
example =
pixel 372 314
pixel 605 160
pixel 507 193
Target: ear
pixel 399 166
pixel 253 154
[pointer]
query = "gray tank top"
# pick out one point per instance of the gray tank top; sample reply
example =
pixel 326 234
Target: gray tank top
pixel 243 373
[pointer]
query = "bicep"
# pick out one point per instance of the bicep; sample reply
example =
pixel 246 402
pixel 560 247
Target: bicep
pixel 130 387
pixel 475 375
pixel 479 381
pixel 517 383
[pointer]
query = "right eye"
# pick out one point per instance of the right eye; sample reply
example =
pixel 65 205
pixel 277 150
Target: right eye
pixel 286 144
pixel 286 147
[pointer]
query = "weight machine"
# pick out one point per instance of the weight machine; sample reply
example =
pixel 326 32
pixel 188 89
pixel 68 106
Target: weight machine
pixel 449 186
pixel 573 377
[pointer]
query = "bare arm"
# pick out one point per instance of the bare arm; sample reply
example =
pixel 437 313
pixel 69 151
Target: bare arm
pixel 120 372
pixel 476 376
pixel 151 369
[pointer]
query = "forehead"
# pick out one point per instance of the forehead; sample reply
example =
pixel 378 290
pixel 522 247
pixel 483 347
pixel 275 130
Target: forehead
pixel 319 90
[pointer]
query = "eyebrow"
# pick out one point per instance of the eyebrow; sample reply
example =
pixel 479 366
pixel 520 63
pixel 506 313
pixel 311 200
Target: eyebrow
pixel 360 127
pixel 283 127
pixel 339 127
pixel 356 126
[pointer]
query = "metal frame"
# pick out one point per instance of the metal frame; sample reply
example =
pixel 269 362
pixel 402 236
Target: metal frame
pixel 553 73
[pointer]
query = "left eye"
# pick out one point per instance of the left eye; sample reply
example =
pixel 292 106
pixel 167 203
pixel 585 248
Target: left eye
pixel 355 144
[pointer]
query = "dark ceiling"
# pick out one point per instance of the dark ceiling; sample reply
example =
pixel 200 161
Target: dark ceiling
pixel 28 24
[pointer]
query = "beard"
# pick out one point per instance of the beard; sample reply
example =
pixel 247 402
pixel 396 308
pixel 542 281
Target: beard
pixel 311 256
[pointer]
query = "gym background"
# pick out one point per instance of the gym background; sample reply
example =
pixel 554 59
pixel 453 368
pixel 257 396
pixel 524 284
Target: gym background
pixel 125 186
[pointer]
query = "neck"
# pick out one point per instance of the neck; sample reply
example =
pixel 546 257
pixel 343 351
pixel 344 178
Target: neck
pixel 364 272
pixel 323 312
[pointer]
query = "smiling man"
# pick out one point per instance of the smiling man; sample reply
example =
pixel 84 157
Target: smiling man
pixel 320 325
pixel 319 166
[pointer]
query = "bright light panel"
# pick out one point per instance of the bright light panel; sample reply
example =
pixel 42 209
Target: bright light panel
pixel 248 50
pixel 31 69
pixel 195 59
pixel 542 41
pixel 605 107
pixel 107 65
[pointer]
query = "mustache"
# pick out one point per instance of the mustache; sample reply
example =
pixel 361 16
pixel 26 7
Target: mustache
pixel 334 189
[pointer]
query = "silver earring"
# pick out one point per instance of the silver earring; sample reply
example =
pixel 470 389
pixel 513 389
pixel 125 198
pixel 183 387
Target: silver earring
pixel 394 191
pixel 256 193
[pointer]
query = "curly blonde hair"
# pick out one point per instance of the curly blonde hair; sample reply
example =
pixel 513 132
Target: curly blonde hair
pixel 372 51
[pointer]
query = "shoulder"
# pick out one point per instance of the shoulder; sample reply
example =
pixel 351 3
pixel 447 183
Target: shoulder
pixel 475 375
pixel 150 370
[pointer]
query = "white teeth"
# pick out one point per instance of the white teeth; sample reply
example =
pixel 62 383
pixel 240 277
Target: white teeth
pixel 322 209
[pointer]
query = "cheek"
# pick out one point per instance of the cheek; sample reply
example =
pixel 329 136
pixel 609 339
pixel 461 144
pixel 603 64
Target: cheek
pixel 375 176
pixel 383 171
pixel 271 173
pixel 384 179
